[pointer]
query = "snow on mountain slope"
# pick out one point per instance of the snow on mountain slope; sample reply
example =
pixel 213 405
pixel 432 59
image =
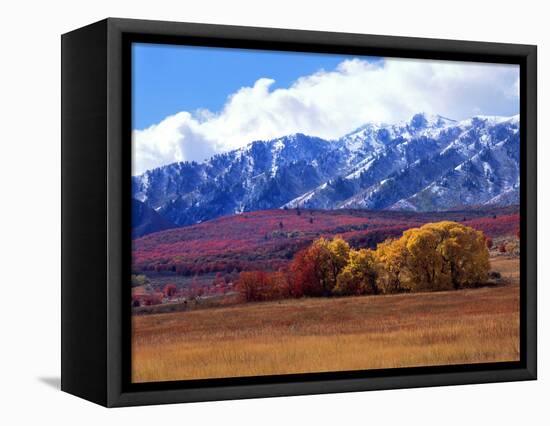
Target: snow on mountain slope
pixel 426 163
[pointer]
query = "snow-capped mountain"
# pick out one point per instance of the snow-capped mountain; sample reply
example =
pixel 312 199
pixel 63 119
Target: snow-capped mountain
pixel 427 163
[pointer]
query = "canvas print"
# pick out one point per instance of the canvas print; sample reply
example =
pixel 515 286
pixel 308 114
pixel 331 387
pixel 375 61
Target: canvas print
pixel 305 213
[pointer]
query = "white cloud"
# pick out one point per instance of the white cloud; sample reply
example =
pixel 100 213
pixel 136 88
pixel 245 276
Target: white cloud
pixel 330 104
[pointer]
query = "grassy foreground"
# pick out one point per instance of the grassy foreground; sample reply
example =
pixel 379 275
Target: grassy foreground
pixel 315 335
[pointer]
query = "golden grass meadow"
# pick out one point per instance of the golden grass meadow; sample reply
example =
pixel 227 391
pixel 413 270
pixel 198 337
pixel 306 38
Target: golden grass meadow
pixel 317 334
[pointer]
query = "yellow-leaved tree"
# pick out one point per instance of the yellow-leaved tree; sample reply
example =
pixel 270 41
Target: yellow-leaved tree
pixel 436 256
pixel 391 260
pixel 425 263
pixel 464 251
pixel 359 276
pixel 339 254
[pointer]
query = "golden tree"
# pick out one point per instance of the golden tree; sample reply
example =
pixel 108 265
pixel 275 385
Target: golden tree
pixel 332 257
pixel 465 253
pixel 339 252
pixel 425 264
pixel 391 260
pixel 436 256
pixel 359 275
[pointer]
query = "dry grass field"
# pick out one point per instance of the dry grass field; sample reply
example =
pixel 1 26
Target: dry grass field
pixel 315 335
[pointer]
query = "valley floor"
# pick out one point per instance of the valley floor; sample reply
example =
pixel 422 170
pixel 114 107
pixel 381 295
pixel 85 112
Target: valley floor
pixel 315 335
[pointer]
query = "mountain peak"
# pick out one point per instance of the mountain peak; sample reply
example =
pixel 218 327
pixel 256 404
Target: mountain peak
pixel 492 120
pixel 424 120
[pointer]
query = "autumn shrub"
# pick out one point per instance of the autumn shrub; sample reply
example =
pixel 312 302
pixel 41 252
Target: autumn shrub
pixel 512 247
pixel 151 299
pixel 139 280
pixel 169 290
pixel 250 284
pixel 256 286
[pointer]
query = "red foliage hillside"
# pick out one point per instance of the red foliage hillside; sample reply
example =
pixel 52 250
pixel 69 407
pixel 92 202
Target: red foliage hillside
pixel 268 239
pixel 496 227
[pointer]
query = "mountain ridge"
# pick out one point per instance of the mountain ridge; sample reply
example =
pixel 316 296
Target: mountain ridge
pixel 426 163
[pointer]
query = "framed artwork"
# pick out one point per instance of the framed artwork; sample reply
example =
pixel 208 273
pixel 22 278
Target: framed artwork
pixel 252 212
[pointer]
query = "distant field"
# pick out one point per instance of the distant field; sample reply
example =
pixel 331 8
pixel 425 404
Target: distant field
pixel 315 335
pixel 268 239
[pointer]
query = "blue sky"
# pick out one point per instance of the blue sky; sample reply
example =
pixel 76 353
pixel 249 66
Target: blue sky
pixel 171 78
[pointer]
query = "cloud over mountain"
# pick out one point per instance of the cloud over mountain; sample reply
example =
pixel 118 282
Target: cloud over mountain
pixel 330 103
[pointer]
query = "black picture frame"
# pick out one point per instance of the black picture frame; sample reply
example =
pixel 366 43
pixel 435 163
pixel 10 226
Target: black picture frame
pixel 96 238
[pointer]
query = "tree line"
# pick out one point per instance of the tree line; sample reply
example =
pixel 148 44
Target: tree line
pixel 437 256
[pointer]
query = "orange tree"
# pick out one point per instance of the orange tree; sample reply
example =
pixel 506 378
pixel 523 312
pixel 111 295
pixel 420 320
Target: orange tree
pixel 315 269
pixel 252 285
